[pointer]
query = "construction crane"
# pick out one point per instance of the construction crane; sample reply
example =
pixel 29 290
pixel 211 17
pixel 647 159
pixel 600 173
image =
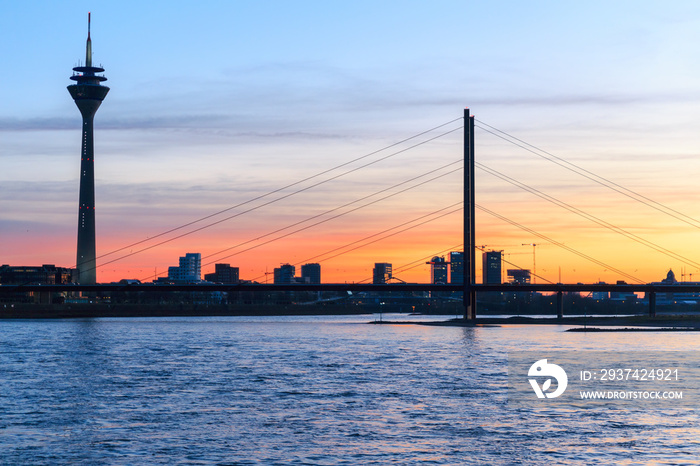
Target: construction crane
pixel 534 261
pixel 484 246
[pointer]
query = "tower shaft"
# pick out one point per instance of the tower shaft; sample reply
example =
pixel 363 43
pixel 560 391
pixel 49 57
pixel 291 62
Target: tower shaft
pixel 86 257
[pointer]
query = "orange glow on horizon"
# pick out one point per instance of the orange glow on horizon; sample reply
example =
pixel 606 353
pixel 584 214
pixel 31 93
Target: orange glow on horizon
pixel 407 251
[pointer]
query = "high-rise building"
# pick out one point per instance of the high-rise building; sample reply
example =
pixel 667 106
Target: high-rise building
pixel 88 94
pixel 457 268
pixel 438 271
pixel 223 273
pixel 284 275
pixel 189 270
pixel 311 273
pixel 381 273
pixel 491 267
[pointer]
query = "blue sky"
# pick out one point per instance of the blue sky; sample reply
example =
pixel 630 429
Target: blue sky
pixel 214 102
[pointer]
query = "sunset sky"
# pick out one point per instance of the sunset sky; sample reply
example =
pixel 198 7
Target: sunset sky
pixel 216 103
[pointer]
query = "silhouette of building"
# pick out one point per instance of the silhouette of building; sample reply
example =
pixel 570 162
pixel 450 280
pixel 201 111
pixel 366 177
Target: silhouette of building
pixel 223 273
pixel 189 270
pixel 381 273
pixel 600 295
pixel 438 271
pixel 284 275
pixel 519 276
pixel 628 296
pixel 311 273
pixel 457 268
pixel 690 297
pixel 670 278
pixel 47 274
pixel 491 267
pixel 88 94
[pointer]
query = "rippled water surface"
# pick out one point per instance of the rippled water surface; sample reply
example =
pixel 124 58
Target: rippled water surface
pixel 308 390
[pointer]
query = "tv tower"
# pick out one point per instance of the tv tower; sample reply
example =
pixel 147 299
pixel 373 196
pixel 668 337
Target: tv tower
pixel 88 94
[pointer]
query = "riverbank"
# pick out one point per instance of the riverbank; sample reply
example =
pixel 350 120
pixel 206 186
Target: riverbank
pixel 666 322
pixel 85 310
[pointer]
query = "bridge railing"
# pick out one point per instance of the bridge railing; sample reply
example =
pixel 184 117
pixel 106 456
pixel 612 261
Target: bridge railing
pixel 650 290
pixel 355 287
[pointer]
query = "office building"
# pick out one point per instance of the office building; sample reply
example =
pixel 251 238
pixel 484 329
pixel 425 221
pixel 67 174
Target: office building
pixel 623 295
pixel 47 274
pixel 600 295
pixel 311 273
pixel 223 273
pixel 189 270
pixel 284 275
pixel 491 267
pixel 438 271
pixel 381 274
pixel 457 268
pixel 519 276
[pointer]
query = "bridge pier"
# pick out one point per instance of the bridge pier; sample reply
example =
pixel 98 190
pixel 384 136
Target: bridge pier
pixel 469 303
pixel 652 304
pixel 560 305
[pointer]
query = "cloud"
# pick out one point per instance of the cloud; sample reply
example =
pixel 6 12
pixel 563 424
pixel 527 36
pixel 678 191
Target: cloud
pixel 11 227
pixel 38 124
pixel 39 191
pixel 221 125
pixel 588 99
pixel 73 123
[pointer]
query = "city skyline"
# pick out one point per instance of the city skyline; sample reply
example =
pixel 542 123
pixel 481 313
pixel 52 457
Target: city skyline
pixel 243 100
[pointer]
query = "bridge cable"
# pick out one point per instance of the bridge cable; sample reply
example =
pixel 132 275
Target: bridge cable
pixel 557 243
pixel 517 266
pixel 340 207
pixel 354 242
pixel 270 202
pixel 336 209
pixel 379 234
pixel 418 263
pixel 275 191
pixel 591 176
pixel 588 216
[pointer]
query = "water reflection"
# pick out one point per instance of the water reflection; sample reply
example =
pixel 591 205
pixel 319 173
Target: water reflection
pixel 320 390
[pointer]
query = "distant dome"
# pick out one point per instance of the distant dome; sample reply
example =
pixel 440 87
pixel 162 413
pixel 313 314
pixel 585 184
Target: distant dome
pixel 670 277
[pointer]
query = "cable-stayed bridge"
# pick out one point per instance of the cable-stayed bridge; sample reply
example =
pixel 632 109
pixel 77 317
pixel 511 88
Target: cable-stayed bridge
pixel 468 207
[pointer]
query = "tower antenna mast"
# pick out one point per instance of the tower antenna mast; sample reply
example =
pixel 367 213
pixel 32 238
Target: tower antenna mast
pixel 88 47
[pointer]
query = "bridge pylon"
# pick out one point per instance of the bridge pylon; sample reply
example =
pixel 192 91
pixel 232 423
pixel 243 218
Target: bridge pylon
pixel 469 221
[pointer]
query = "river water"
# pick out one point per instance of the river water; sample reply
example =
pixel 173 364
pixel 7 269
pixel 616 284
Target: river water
pixel 310 390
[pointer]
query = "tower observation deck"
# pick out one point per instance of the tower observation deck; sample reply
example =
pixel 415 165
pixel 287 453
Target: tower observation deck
pixel 88 94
